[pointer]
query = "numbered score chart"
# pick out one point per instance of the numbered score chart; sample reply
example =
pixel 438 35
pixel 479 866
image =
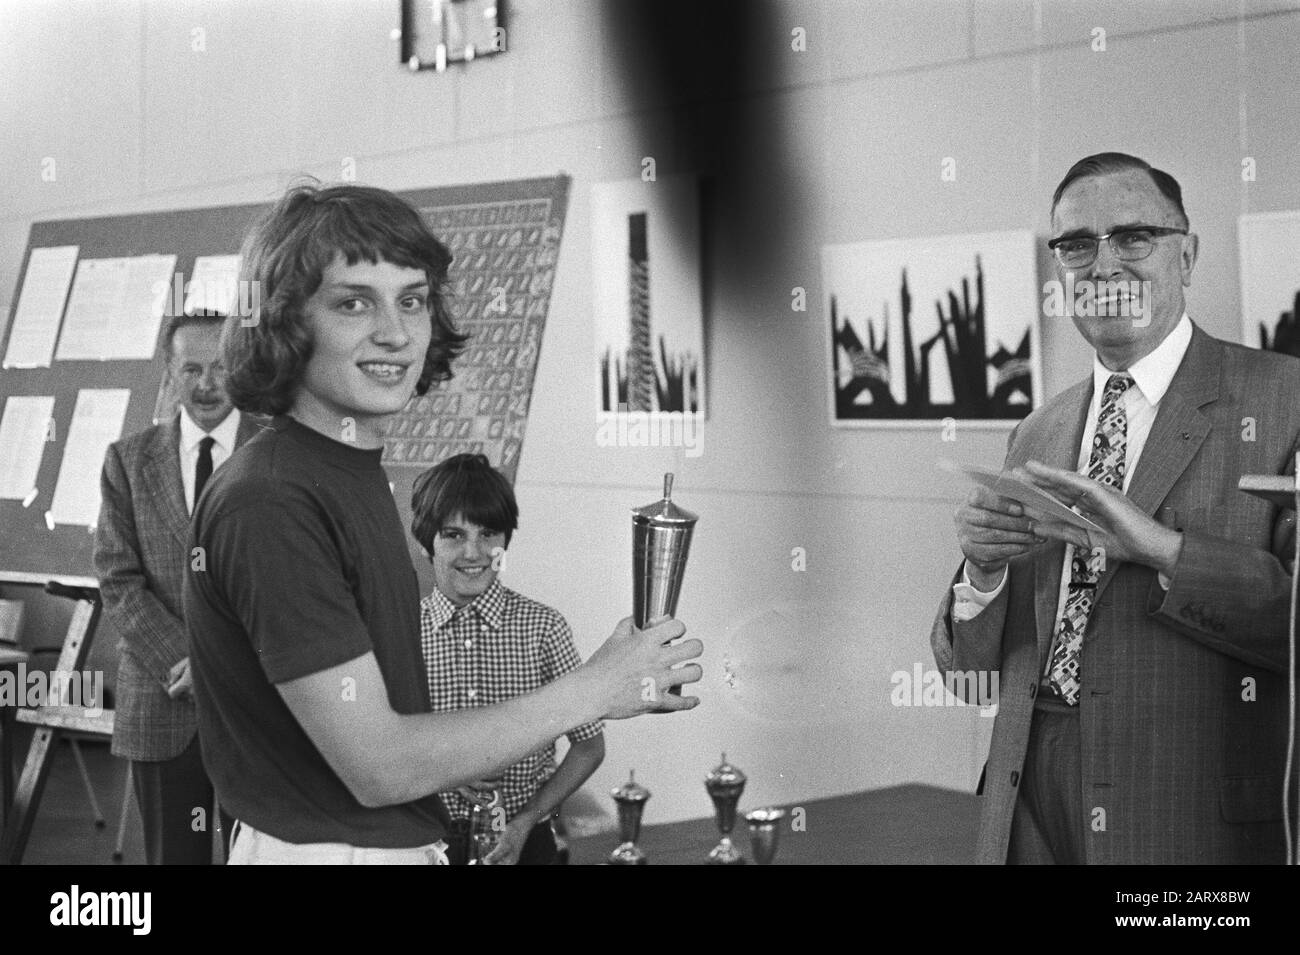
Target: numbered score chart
pixel 505 256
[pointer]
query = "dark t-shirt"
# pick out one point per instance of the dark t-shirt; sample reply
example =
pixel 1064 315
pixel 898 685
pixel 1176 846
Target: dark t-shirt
pixel 305 567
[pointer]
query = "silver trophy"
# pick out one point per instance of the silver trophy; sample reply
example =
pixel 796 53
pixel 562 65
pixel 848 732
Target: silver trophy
pixel 764 830
pixel 725 784
pixel 631 798
pixel 481 843
pixel 661 542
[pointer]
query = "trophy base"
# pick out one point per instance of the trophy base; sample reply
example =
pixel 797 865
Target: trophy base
pixel 627 854
pixel 724 853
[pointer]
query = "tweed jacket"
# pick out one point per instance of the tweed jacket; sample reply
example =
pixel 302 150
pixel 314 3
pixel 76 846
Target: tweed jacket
pixel 1183 710
pixel 140 558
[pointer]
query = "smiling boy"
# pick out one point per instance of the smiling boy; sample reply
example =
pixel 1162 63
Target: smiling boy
pixel 484 643
pixel 302 603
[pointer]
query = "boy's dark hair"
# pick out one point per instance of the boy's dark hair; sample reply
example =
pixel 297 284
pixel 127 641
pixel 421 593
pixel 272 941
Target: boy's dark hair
pixel 287 253
pixel 177 322
pixel 1102 164
pixel 464 484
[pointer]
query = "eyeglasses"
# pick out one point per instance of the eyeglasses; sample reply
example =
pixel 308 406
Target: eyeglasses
pixel 1128 245
pixel 192 373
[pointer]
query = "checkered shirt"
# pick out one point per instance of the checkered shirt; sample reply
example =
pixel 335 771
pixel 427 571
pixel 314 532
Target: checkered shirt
pixel 499 646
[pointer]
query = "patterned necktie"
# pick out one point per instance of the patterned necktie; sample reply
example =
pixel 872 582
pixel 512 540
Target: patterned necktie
pixel 1105 466
pixel 203 467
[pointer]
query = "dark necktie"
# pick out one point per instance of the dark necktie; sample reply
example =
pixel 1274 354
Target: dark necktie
pixel 203 468
pixel 1105 466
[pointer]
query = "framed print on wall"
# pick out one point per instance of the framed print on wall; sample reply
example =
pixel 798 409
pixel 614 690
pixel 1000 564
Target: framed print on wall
pixel 647 297
pixel 926 329
pixel 1270 280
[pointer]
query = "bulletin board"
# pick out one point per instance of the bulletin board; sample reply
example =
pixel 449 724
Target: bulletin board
pixel 505 239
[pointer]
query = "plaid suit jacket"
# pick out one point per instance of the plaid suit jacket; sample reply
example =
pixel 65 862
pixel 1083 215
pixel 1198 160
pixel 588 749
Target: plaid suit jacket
pixel 141 558
pixel 1183 712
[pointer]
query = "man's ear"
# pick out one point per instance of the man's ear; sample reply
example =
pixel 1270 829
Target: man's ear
pixel 1187 260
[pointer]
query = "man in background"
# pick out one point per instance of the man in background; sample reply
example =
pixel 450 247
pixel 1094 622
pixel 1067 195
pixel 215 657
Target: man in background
pixel 1142 704
pixel 150 484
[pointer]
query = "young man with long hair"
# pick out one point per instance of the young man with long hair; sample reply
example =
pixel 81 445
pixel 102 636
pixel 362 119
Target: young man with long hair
pixel 302 603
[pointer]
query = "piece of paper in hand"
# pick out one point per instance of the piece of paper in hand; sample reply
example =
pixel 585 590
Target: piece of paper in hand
pixel 1031 496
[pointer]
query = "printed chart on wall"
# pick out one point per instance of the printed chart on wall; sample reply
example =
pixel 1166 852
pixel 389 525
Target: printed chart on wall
pixel 927 329
pixel 1270 281
pixel 505 239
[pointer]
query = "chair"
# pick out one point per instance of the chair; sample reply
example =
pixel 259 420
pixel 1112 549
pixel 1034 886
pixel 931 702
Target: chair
pixel 12 662
pixel 15 659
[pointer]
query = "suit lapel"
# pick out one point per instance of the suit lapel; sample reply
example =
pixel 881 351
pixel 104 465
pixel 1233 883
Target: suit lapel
pixel 1058 447
pixel 164 473
pixel 1177 433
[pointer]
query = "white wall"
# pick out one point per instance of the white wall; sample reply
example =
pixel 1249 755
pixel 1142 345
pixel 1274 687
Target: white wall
pixel 798 665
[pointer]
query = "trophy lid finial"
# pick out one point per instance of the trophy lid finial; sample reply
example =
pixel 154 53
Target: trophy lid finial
pixel 724 774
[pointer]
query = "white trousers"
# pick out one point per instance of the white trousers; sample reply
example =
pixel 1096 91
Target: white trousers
pixel 251 847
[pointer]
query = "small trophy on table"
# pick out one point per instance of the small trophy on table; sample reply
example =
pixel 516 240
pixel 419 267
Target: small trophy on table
pixel 725 784
pixel 764 828
pixel 631 798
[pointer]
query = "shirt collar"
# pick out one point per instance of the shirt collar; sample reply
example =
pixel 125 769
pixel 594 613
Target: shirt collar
pixel 1152 373
pixel 489 605
pixel 223 434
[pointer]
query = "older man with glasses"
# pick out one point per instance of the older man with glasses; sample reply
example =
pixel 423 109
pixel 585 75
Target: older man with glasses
pixel 1142 662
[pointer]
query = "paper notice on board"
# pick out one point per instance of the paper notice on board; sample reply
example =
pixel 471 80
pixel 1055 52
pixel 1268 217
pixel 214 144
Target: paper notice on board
pixel 116 308
pixel 40 307
pixel 97 292
pixel 24 432
pixel 96 423
pixel 212 287
pixel 133 327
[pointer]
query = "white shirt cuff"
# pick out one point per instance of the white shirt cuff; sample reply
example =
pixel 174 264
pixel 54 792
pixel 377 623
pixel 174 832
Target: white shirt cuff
pixel 967 602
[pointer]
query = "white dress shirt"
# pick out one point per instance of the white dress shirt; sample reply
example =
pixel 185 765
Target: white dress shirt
pixel 1152 375
pixel 223 436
